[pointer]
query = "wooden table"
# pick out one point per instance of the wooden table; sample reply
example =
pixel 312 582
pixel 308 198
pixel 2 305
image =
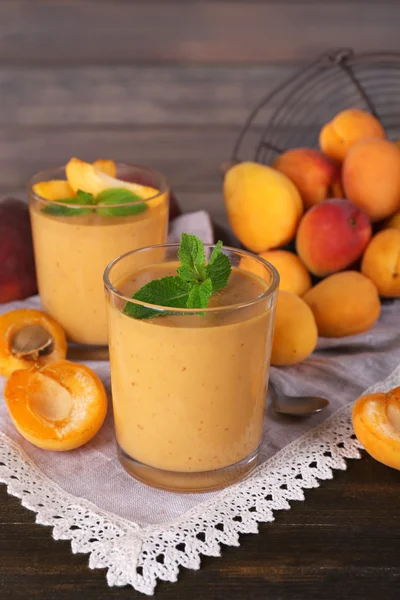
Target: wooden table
pixel 168 83
pixel 342 542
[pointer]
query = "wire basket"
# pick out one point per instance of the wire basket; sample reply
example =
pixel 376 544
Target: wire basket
pixel 293 114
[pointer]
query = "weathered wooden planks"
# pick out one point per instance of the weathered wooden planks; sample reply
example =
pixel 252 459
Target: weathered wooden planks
pixel 130 95
pixel 189 156
pixel 115 32
pixel 341 543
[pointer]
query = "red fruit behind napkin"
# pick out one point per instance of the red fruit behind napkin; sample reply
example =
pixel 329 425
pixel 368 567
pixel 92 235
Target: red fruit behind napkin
pixel 17 266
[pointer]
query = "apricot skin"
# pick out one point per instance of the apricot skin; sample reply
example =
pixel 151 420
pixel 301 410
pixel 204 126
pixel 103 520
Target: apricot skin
pixel 295 331
pixel 77 379
pixel 371 177
pixel 263 206
pixel 346 129
pixel 375 427
pixel 316 176
pixel 293 274
pixel 393 222
pixel 381 262
pixel 332 235
pixel 14 320
pixel 346 303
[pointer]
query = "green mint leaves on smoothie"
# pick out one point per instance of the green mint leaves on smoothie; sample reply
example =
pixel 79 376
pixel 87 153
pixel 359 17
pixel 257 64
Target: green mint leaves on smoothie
pixel 193 259
pixel 118 196
pixel 112 199
pixel 200 294
pixel 195 283
pixel 218 268
pixel 81 199
pixel 168 291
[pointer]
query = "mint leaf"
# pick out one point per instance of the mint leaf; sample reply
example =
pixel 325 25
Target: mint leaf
pixel 81 198
pixel 200 294
pixel 84 197
pixel 168 291
pixel 187 274
pixel 194 286
pixel 192 256
pixel 218 269
pixel 217 250
pixel 115 196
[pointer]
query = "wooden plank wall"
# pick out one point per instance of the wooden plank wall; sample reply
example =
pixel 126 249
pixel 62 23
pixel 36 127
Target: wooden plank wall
pixel 165 83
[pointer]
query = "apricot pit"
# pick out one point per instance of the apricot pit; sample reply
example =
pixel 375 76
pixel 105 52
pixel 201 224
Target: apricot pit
pixel 28 337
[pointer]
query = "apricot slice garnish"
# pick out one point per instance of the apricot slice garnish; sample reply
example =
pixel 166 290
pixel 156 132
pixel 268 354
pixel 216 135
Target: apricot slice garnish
pixel 85 176
pixel 56 189
pixel 106 166
pixel 57 407
pixel 376 422
pixel 28 337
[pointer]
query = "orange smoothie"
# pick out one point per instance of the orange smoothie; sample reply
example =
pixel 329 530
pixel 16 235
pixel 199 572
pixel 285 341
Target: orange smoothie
pixel 71 253
pixel 189 391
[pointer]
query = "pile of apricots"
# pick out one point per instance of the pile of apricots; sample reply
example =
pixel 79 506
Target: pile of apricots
pixel 339 207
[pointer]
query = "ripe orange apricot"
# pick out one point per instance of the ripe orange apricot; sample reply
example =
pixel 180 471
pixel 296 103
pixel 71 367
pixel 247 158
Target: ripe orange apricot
pixel 58 407
pixel 376 422
pixel 13 323
pixel 346 129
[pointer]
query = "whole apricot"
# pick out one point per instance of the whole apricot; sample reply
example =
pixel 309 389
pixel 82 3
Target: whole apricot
pixel 346 129
pixel 376 422
pixel 332 235
pixel 295 331
pixel 381 262
pixel 344 304
pixel 316 176
pixel 263 206
pixel 293 274
pixel 371 177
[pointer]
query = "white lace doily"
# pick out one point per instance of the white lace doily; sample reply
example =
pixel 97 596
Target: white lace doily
pixel 140 555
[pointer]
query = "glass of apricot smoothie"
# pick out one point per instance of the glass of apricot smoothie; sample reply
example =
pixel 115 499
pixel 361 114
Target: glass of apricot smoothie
pixel 189 384
pixel 84 215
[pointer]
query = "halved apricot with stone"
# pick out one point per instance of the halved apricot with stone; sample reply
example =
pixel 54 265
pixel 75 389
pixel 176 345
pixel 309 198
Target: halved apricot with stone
pixel 58 407
pixel 29 337
pixel 55 189
pixel 376 422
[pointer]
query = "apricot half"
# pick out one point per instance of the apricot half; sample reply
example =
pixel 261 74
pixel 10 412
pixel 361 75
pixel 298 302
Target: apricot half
pixel 57 407
pixel 376 422
pixel 106 166
pixel 85 176
pixel 28 337
pixel 55 189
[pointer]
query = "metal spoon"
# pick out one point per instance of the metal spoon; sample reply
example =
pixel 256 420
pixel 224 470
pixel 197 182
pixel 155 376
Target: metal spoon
pixel 298 406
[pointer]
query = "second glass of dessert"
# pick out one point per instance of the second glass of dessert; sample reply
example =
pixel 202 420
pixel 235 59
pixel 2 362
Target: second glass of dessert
pixel 84 215
pixel 190 345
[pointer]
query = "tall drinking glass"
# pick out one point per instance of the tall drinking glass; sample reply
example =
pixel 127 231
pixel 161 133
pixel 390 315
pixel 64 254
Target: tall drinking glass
pixel 189 386
pixel 72 250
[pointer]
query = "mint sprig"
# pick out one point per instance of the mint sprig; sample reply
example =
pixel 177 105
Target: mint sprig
pixel 111 199
pixel 195 283
pixel 81 198
pixel 113 196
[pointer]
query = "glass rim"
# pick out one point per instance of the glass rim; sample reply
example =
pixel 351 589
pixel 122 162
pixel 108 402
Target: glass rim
pixel 193 311
pixel 46 172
